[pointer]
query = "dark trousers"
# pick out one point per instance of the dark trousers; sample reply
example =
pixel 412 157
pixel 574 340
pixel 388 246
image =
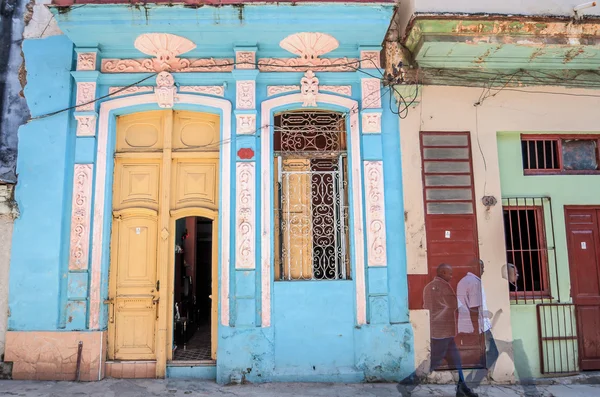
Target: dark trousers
pixel 446 348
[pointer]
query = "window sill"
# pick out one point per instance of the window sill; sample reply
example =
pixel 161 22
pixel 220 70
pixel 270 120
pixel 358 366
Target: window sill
pixel 559 172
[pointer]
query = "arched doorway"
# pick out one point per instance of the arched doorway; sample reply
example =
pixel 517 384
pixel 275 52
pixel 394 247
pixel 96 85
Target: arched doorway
pixel 166 167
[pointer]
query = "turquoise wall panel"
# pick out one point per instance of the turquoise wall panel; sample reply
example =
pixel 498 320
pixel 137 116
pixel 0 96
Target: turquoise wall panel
pixel 314 324
pixel 38 271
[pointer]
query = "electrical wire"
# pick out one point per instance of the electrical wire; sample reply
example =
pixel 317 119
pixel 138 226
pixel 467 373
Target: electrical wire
pixel 333 65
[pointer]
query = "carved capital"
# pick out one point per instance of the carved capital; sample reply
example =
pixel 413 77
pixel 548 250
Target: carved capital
pixel 86 61
pixel 370 59
pixel 371 123
pixel 245 60
pixel 86 125
pixel 245 123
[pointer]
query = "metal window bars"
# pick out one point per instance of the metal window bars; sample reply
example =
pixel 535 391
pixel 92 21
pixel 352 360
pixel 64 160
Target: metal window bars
pixel 311 206
pixel 529 236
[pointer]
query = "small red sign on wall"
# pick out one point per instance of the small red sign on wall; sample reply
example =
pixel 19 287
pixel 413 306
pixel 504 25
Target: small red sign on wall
pixel 245 153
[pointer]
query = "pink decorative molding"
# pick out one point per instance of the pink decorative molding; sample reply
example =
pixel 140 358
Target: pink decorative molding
pixel 245 94
pixel 165 90
pixel 245 123
pixel 376 240
pixel 371 93
pixel 370 59
pixel 371 123
pixel 338 89
pixel 302 65
pixel 86 61
pixel 183 65
pixel 246 228
pixel 309 45
pixel 245 60
pixel 80 217
pixel 280 89
pixel 217 90
pixel 86 93
pixel 309 88
pixel 121 91
pixel 86 125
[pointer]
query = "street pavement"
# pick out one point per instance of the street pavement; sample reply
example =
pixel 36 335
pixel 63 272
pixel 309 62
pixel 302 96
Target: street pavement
pixel 192 388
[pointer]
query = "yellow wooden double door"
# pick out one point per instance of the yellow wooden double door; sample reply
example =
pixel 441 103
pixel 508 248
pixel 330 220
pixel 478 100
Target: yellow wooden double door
pixel 166 168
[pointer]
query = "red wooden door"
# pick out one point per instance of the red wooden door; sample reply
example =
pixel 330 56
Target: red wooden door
pixel 450 220
pixel 583 240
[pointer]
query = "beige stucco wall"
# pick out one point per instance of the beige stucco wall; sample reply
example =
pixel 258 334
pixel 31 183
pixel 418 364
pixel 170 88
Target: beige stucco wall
pixel 452 109
pixel 7 213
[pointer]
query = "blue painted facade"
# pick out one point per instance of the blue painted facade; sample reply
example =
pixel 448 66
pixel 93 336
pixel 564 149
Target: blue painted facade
pixel 314 334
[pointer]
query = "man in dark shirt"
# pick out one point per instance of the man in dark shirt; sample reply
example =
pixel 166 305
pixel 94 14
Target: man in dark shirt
pixel 439 298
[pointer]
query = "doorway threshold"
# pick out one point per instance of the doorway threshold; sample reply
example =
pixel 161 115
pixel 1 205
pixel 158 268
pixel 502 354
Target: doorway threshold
pixel 196 369
pixel 191 363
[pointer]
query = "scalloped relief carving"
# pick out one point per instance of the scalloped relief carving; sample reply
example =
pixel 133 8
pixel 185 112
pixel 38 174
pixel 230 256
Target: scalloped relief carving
pixel 309 45
pixel 165 47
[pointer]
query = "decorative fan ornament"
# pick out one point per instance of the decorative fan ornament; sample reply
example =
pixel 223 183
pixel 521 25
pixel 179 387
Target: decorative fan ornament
pixel 165 47
pixel 309 45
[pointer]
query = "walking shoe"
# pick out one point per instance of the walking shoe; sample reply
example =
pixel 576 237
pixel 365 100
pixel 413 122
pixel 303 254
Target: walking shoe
pixel 462 390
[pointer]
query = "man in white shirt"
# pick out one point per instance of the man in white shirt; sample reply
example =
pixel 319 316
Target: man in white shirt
pixel 473 314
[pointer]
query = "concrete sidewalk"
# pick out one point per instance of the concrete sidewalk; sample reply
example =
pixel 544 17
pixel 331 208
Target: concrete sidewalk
pixel 191 388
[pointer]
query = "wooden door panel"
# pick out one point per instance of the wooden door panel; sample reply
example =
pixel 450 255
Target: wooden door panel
pixel 140 132
pixel 136 183
pixel 584 264
pixel 450 221
pixel 134 283
pixel 135 328
pixel 136 255
pixel 196 131
pixel 297 219
pixel 195 183
pixel 589 335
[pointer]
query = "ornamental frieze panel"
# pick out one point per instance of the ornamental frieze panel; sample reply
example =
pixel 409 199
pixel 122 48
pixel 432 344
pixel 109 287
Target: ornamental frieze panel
pixel 80 217
pixel 182 65
pixel 122 91
pixel 245 219
pixel 375 205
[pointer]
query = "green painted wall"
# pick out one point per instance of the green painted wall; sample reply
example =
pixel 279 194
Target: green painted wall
pixel 563 190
